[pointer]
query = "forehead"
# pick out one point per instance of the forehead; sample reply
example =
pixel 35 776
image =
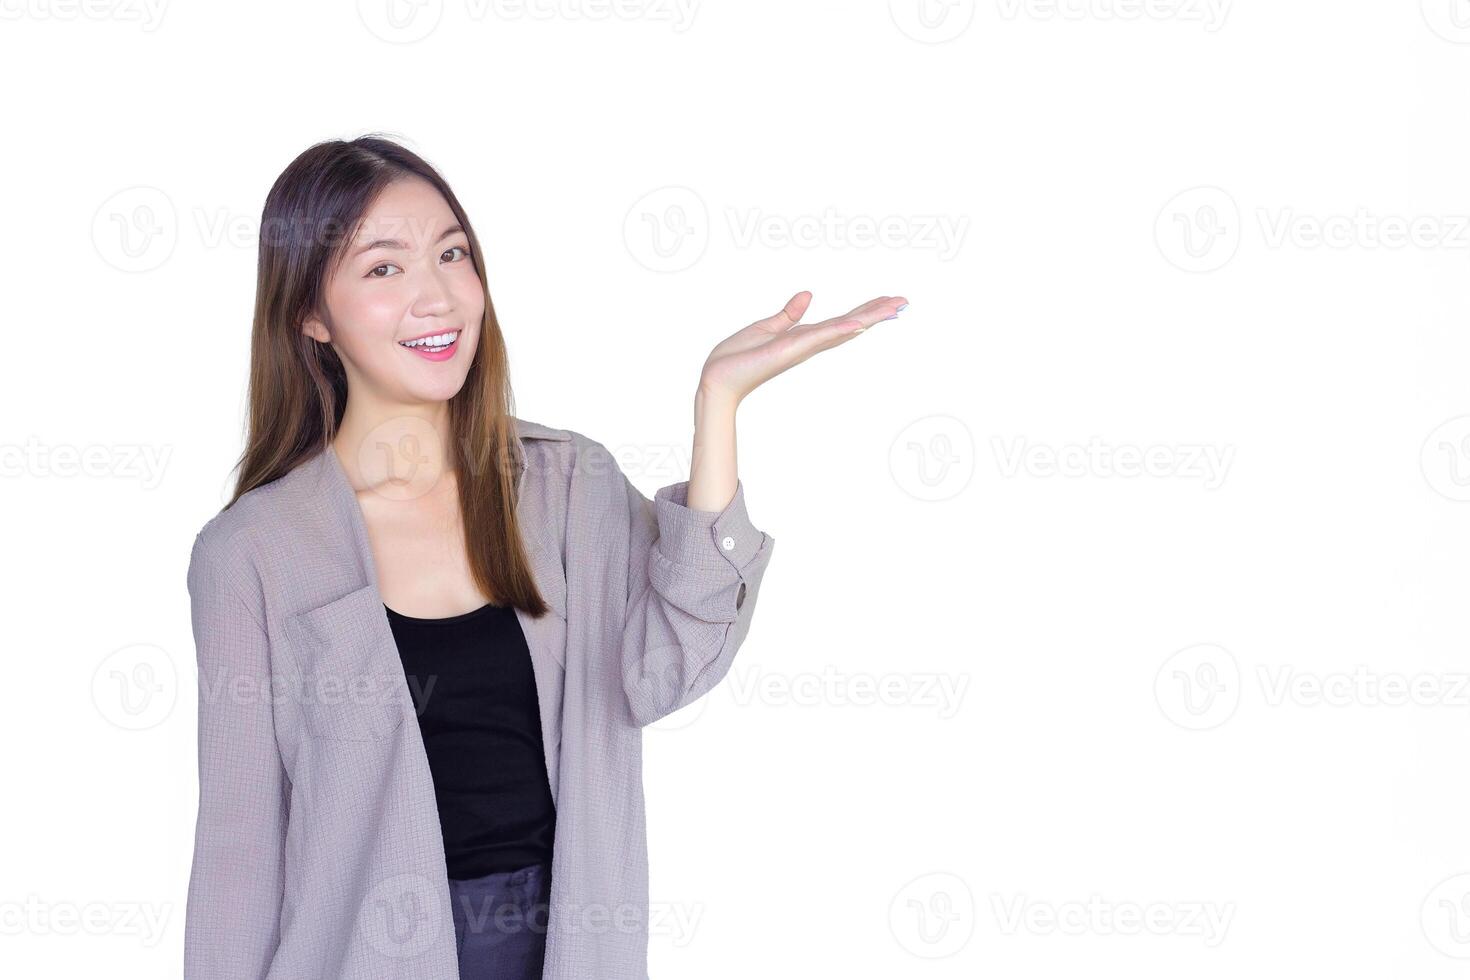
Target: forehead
pixel 410 210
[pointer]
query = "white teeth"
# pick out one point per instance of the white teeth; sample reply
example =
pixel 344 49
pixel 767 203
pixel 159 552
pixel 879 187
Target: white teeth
pixel 438 340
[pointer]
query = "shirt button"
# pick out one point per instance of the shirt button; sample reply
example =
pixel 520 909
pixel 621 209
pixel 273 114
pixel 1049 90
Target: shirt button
pixel 740 596
pixel 728 544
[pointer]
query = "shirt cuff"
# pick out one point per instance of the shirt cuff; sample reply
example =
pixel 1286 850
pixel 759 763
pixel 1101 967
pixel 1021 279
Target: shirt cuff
pixel 705 538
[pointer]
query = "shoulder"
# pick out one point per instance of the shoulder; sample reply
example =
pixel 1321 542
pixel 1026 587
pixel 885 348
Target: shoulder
pixel 227 545
pixel 565 453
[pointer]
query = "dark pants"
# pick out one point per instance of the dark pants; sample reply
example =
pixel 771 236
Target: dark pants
pixel 500 923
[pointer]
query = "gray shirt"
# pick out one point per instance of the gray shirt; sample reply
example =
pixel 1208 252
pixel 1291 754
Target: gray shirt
pixel 317 850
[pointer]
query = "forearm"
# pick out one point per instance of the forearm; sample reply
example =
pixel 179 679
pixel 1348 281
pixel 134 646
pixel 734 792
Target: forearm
pixel 713 473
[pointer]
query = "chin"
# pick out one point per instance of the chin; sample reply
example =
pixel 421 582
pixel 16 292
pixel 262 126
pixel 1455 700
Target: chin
pixel 440 392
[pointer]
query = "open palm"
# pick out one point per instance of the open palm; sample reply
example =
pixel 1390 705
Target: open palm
pixel 755 354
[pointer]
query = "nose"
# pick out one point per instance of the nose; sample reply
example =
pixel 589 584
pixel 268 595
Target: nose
pixel 434 297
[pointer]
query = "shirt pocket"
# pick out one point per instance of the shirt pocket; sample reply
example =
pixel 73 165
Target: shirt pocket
pixel 352 684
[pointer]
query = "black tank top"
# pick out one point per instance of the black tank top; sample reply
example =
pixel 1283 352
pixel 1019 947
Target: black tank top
pixel 472 684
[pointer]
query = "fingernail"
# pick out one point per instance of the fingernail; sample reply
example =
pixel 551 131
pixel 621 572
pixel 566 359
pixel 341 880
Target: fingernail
pixel 891 316
pixel 903 307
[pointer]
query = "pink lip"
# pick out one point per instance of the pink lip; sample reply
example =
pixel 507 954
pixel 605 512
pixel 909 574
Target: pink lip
pixel 442 355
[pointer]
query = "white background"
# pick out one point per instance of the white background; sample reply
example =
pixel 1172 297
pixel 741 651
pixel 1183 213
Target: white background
pixel 1201 720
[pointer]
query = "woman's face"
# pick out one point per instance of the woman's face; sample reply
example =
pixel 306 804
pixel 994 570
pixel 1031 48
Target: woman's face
pixel 406 274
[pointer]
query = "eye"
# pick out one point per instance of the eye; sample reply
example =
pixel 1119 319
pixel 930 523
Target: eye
pixel 372 273
pixel 457 248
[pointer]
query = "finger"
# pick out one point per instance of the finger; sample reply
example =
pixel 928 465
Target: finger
pixel 862 317
pixel 761 331
pixel 789 315
pixel 804 340
pixel 812 338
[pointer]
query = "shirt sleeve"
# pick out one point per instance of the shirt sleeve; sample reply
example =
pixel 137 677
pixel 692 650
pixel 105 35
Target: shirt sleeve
pixel 232 916
pixel 693 579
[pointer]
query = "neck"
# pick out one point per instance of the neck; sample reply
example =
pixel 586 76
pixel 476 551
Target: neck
pixel 401 450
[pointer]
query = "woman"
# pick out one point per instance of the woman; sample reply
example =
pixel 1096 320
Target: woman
pixel 400 544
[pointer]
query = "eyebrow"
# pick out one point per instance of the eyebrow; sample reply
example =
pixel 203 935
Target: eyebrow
pixel 454 229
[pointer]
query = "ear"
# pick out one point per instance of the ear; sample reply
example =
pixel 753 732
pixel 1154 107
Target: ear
pixel 314 328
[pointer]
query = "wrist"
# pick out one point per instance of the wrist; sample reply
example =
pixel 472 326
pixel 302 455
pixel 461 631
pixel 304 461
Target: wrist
pixel 712 401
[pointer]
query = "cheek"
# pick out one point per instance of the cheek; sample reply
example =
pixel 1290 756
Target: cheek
pixel 470 297
pixel 371 317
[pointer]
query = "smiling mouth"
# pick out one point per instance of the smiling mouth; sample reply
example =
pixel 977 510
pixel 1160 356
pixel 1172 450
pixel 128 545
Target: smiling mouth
pixel 432 345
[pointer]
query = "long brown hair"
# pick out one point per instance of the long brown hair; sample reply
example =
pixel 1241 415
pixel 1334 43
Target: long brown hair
pixel 298 387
